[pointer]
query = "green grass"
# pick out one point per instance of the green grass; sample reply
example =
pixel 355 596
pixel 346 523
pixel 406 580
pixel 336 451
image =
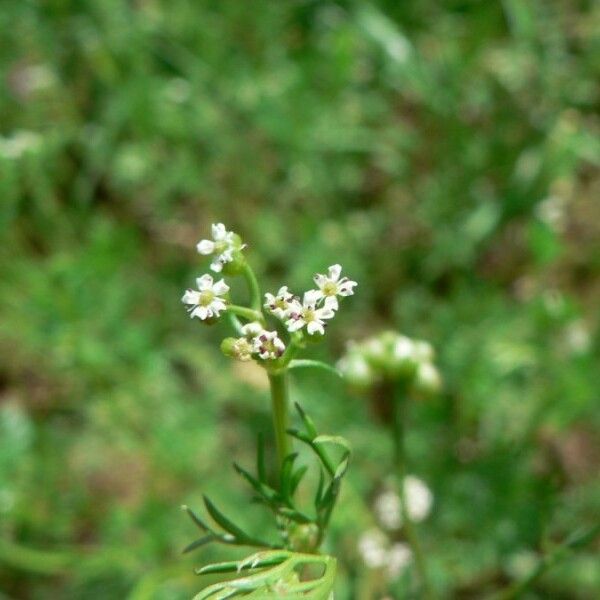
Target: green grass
pixel 446 153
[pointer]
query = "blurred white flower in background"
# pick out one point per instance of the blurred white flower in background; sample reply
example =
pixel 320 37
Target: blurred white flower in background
pixel 577 337
pixel 377 553
pixel 388 506
pixel 20 142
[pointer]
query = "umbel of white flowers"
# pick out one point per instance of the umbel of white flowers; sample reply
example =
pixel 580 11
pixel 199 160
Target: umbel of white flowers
pixel 308 316
pixel 391 356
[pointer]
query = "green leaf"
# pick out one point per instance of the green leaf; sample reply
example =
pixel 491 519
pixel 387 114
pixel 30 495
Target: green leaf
pixel 263 490
pixel 338 440
pixel 237 532
pixel 200 542
pixel 237 566
pixel 308 422
pixel 297 478
pixel 272 576
pixel 286 475
pixel 320 452
pixel 196 519
pixel 303 363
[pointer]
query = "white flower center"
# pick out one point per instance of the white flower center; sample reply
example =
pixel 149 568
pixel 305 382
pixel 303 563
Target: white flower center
pixel 206 297
pixel 280 303
pixel 309 315
pixel 330 288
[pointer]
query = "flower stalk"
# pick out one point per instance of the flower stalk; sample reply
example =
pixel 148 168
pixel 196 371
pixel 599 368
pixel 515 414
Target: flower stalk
pixel 278 384
pixel 400 463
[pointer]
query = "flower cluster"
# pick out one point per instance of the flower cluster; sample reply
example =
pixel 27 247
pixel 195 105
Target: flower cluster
pixel 391 356
pixel 257 341
pixel 317 306
pixel 379 554
pixel 388 506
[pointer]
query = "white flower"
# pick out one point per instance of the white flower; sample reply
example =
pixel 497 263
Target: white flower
pixel 398 558
pixel 403 349
pixel 388 506
pixel 268 345
pixel 372 548
pixel 251 330
pixel 355 369
pixel 418 498
pixel 331 286
pixel 279 305
pixel 375 550
pixel 428 379
pixel 221 246
pixel 206 302
pixel 307 314
pixel 388 510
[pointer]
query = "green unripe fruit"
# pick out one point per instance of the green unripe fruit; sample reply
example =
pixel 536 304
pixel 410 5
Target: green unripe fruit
pixel 227 346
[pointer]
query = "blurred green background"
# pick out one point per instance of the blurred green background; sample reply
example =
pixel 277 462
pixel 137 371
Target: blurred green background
pixel 446 153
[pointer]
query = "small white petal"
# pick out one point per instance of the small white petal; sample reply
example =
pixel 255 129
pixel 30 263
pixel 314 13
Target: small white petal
pixel 346 288
pixel 216 265
pixel 331 304
pixel 220 288
pixel 190 297
pixel 335 272
pixel 218 231
pixel 205 247
pixel 295 324
pixel 201 312
pixel 205 282
pixel 320 280
pixel 315 326
pixel 311 297
pixel 325 313
pixel 252 329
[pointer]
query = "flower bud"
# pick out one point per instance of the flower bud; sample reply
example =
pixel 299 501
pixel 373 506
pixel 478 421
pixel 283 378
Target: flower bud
pixel 304 537
pixel 238 348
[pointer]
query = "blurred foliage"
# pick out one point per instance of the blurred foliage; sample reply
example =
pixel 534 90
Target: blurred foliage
pixel 446 153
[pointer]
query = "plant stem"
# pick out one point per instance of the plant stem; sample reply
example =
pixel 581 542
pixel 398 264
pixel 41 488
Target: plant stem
pixel 279 399
pixel 255 295
pixel 246 313
pixel 398 433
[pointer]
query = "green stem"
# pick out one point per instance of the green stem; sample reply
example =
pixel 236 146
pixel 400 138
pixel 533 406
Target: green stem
pixel 246 313
pixel 255 295
pixel 279 399
pixel 398 433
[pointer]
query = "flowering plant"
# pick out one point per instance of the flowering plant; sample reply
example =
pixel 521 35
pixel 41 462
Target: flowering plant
pixel 395 368
pixel 272 332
